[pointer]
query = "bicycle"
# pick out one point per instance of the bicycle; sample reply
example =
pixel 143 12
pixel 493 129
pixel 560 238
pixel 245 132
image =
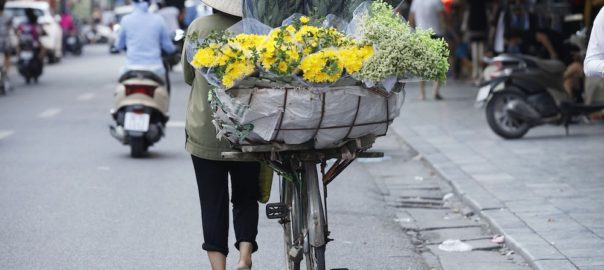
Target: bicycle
pixel 302 209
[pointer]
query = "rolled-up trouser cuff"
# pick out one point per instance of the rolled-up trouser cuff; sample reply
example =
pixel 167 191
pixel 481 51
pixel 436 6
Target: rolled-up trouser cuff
pixel 208 247
pixel 254 244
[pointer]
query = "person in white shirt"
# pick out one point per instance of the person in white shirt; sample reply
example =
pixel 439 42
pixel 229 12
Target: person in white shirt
pixel 593 65
pixel 428 14
pixel 594 59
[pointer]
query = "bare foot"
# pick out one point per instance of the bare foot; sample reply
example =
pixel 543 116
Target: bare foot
pixel 438 97
pixel 244 266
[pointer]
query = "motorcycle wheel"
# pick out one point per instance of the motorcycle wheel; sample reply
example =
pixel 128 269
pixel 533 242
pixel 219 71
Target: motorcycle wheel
pixel 499 119
pixel 138 147
pixel 52 58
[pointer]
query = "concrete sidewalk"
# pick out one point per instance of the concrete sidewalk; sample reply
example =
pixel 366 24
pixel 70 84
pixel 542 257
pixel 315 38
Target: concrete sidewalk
pixel 543 192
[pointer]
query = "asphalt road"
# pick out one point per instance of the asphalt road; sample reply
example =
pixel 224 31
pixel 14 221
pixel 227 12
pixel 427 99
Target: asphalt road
pixel 72 198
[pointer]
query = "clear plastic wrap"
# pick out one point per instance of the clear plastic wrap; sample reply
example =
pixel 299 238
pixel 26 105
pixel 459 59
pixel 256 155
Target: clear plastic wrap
pixel 278 103
pixel 260 116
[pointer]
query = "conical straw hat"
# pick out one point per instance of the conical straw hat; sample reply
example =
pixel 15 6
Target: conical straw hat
pixel 233 7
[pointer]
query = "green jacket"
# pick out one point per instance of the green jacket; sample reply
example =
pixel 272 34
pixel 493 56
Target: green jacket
pixel 201 133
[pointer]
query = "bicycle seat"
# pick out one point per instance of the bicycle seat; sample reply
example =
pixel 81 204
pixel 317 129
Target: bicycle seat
pixel 141 74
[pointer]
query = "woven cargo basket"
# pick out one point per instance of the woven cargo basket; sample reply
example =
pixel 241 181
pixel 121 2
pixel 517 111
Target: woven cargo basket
pixel 260 112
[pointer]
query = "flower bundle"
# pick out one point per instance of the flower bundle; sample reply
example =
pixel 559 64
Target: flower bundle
pixel 316 54
pixel 320 55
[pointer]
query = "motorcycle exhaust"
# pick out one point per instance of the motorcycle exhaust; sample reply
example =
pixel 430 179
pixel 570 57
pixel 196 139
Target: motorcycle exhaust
pixel 118 133
pixel 521 110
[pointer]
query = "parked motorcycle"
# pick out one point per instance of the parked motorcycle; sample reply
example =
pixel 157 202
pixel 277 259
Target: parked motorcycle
pixel 140 110
pixel 29 64
pixel 524 92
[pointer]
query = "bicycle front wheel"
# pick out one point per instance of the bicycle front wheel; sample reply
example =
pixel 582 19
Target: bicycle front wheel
pixel 291 225
pixel 315 225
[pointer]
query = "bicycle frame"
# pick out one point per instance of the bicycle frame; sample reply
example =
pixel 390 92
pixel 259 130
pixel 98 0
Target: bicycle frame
pixel 305 225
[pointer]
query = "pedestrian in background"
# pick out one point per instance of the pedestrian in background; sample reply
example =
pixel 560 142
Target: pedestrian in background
pixel 594 59
pixel 211 170
pixel 428 14
pixel 170 15
pixel 477 24
pixel 594 65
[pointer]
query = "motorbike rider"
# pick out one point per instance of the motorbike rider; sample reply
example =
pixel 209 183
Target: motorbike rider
pixel 145 36
pixel 67 25
pixel 5 46
pixel 31 31
pixel 170 14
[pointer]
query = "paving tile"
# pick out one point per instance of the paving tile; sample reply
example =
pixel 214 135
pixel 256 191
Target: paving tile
pixel 429 219
pixel 553 177
pixel 539 251
pixel 475 260
pixel 583 263
pixel 554 265
pixel 464 234
pixel 503 219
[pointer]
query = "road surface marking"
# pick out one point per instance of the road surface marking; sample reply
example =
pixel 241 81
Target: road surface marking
pixel 103 168
pixel 176 124
pixel 5 133
pixel 49 113
pixel 86 97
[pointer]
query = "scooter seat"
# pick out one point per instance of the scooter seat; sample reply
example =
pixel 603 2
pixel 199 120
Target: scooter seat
pixel 141 74
pixel 551 66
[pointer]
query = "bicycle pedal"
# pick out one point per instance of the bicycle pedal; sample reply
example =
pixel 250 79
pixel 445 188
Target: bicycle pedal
pixel 276 210
pixel 295 253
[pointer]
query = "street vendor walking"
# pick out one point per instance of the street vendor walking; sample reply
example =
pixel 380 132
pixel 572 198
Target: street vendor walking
pixel 211 171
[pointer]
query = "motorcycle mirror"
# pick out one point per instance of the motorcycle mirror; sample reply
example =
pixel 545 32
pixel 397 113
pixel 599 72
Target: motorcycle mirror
pixel 179 35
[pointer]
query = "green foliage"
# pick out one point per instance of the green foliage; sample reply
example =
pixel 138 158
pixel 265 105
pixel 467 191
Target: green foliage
pixel 274 12
pixel 400 51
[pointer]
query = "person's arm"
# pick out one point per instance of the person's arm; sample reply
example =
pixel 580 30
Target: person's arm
pixel 594 59
pixel 542 38
pixel 165 38
pixel 188 70
pixel 120 41
pixel 443 21
pixel 412 14
pixel 587 13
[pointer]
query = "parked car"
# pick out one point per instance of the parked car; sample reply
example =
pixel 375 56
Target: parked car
pixel 53 40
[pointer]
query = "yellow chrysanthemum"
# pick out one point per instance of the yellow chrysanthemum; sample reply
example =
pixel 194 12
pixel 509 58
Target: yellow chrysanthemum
pixel 304 19
pixel 322 67
pixel 204 58
pixel 237 71
pixel 353 57
pixel 247 41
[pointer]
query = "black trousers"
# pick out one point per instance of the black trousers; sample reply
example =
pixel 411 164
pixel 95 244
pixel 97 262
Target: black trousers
pixel 212 182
